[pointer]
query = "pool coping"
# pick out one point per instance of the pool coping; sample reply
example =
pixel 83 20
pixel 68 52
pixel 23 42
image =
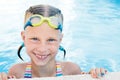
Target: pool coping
pixel 108 76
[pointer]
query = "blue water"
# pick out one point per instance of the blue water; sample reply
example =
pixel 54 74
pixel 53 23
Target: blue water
pixel 91 32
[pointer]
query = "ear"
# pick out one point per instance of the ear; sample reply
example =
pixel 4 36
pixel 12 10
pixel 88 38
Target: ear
pixel 61 36
pixel 23 35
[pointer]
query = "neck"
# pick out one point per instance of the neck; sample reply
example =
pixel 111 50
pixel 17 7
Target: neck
pixel 44 71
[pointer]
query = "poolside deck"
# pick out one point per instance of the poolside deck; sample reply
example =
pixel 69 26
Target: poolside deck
pixel 108 76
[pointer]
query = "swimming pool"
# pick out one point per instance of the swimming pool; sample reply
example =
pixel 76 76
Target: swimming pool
pixel 91 32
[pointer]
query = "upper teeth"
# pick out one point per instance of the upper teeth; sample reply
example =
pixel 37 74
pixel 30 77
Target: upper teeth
pixel 41 56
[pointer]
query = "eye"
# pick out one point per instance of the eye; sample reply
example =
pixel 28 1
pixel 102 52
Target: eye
pixel 51 40
pixel 34 39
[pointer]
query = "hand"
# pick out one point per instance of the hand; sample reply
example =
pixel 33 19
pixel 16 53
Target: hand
pixel 98 72
pixel 11 77
pixel 3 76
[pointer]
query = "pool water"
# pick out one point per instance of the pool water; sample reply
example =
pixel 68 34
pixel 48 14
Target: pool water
pixel 91 32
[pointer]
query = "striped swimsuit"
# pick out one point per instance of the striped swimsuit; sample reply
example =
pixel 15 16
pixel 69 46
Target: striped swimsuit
pixel 28 71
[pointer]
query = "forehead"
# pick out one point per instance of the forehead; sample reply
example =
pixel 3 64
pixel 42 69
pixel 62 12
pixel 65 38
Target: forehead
pixel 43 29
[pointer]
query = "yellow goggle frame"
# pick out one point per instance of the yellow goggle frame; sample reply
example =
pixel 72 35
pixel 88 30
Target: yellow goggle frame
pixel 37 20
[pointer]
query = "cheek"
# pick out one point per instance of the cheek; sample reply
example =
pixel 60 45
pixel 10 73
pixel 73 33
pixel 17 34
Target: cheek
pixel 54 48
pixel 28 46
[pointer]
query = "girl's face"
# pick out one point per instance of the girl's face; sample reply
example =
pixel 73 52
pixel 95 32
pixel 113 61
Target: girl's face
pixel 42 43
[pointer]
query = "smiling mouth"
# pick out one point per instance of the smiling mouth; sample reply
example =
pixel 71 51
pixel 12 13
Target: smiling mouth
pixel 41 57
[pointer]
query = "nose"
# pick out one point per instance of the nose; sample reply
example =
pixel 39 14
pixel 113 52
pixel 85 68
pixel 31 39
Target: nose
pixel 42 47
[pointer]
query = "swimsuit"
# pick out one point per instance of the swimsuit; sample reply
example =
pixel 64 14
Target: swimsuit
pixel 28 71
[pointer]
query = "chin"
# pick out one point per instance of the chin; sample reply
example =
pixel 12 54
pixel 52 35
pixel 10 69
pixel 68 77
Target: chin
pixel 41 62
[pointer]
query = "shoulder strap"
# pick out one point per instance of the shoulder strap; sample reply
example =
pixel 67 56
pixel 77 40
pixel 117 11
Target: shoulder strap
pixel 28 71
pixel 58 70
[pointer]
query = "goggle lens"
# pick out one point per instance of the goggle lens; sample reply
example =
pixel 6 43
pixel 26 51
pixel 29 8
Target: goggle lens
pixel 35 20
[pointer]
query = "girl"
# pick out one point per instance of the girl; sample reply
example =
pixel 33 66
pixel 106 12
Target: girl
pixel 42 36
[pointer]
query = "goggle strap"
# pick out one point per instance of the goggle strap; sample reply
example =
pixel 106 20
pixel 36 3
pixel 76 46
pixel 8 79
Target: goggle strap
pixel 59 27
pixel 19 49
pixel 62 49
pixel 28 23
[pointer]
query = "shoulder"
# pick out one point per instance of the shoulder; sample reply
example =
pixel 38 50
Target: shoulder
pixel 70 68
pixel 17 70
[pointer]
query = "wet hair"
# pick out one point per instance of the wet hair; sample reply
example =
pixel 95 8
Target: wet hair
pixel 44 10
pixel 47 11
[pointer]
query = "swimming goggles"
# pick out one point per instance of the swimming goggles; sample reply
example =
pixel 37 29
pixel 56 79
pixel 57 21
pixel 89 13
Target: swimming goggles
pixel 37 20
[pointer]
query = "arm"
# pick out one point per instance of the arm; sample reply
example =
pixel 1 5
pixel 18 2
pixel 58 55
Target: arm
pixel 17 71
pixel 70 68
